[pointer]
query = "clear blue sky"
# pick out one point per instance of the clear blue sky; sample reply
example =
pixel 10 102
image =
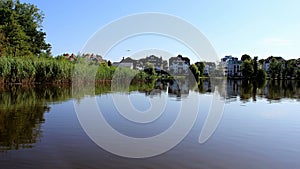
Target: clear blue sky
pixel 234 27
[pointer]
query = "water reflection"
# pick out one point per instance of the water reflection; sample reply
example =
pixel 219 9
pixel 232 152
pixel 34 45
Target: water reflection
pixel 22 108
pixel 273 91
pixel 22 111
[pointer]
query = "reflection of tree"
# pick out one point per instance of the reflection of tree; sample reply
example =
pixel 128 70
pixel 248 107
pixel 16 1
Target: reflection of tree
pixel 278 89
pixel 272 90
pixel 21 113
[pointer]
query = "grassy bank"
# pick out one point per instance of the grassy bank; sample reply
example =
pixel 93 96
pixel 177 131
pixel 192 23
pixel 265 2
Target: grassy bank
pixel 49 70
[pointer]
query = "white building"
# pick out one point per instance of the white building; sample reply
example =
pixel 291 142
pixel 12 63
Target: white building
pixel 209 68
pixel 179 65
pixel 232 66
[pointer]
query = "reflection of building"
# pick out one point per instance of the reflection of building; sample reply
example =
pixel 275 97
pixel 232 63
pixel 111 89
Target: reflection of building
pixel 231 65
pixel 179 65
pixel 180 88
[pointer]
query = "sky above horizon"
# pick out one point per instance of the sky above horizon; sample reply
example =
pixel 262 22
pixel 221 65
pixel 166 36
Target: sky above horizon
pixel 257 28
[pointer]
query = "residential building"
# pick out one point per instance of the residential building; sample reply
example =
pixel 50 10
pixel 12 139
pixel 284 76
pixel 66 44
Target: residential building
pixel 128 62
pixel 94 58
pixel 179 65
pixel 141 64
pixel 232 66
pixel 209 68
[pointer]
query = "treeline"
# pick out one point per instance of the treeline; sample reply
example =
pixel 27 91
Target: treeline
pixel 251 70
pixel 283 69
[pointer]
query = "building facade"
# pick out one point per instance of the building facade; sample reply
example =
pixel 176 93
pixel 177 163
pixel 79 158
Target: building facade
pixel 179 65
pixel 232 66
pixel 209 68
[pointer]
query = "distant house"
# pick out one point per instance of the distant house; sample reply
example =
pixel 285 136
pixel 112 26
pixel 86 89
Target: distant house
pixel 209 68
pixel 157 62
pixel 93 58
pixel 69 57
pixel 128 62
pixel 154 60
pixel 179 65
pixel 116 64
pixel 267 62
pixel 140 64
pixel 232 66
pixel 128 65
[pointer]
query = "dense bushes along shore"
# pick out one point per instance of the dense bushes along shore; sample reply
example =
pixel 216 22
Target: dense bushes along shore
pixel 59 70
pixel 33 69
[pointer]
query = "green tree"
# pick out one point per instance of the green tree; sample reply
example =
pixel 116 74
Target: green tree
pixel 21 26
pixel 261 74
pixel 245 57
pixel 298 74
pixel 195 71
pixel 255 66
pixel 273 68
pixel 150 69
pixel 200 66
pixel 261 61
pixel 290 68
pixel 247 69
pixel 3 42
pixel 109 63
pixel 280 70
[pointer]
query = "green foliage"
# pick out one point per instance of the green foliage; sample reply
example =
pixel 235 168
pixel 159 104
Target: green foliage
pixel 255 66
pixel 3 43
pixel 298 74
pixel 22 113
pixel 290 68
pixel 261 74
pixel 200 66
pixel 195 71
pixel 105 72
pixel 273 68
pixel 247 69
pixel 32 69
pixel 150 69
pixel 21 31
pixel 5 68
pixel 245 57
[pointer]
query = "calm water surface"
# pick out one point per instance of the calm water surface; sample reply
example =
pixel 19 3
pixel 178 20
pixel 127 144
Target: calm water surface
pixel 260 127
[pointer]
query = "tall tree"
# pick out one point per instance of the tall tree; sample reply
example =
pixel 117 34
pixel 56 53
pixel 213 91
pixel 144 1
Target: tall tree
pixel 247 69
pixel 200 66
pixel 195 71
pixel 255 65
pixel 290 68
pixel 3 42
pixel 245 57
pixel 273 68
pixel 21 26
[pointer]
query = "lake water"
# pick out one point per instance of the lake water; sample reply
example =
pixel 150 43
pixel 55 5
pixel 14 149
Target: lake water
pixel 259 127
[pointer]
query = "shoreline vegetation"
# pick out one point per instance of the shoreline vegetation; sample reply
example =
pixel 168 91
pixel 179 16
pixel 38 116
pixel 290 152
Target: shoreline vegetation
pixel 59 70
pixel 25 58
